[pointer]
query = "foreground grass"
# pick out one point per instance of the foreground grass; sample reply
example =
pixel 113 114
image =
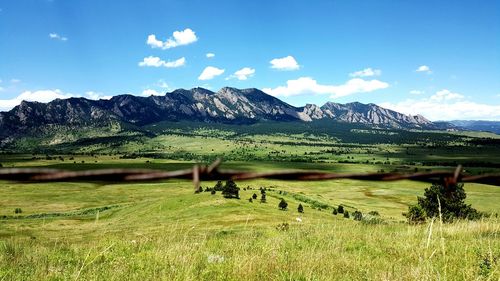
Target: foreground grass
pixel 162 231
pixel 311 250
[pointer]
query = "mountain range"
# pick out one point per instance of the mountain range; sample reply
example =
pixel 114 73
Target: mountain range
pixel 228 105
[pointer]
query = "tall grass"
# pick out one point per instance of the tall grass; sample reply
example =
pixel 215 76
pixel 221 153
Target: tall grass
pixel 337 250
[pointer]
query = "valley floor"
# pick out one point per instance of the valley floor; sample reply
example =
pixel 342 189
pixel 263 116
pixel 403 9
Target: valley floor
pixel 163 231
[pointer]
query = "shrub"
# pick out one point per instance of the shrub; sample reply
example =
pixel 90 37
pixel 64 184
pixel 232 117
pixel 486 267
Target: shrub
pixel 283 204
pixel 300 208
pixel 213 191
pixel 18 210
pixel 416 214
pixel 374 213
pixel 357 215
pixel 283 226
pixel 218 186
pixel 250 200
pixel 346 214
pixel 254 196
pixel 334 212
pixel 340 209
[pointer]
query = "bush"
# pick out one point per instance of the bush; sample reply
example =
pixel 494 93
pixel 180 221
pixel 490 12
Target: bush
pixel 334 212
pixel 218 186
pixel 300 208
pixel 416 214
pixel 18 210
pixel 357 215
pixel 250 200
pixel 283 226
pixel 374 213
pixel 213 192
pixel 346 214
pixel 254 196
pixel 283 204
pixel 340 209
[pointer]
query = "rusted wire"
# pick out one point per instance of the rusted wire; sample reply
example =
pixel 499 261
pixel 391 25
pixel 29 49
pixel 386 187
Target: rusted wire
pixel 200 172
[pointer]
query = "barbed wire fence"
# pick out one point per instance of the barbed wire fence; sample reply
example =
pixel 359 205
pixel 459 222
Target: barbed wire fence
pixel 212 172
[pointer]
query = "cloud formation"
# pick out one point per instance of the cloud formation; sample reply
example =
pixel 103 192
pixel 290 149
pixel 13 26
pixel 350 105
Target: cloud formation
pixel 150 92
pixel 446 105
pixel 56 36
pixel 179 38
pixel 242 74
pixel 46 96
pixel 210 72
pixel 307 85
pixel 210 55
pixel 287 63
pixel 157 62
pixel 424 68
pixel 367 72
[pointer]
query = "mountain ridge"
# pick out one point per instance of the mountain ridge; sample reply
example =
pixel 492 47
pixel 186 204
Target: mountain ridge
pixel 228 105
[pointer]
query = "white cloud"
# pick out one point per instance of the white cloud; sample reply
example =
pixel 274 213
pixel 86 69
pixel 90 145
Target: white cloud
pixel 40 96
pixel 307 85
pixel 210 55
pixel 14 80
pixel 210 72
pixel 424 68
pixel 56 36
pixel 446 105
pixel 150 92
pixel 179 38
pixel 157 62
pixel 416 92
pixel 96 96
pixel 286 63
pixel 162 84
pixel 367 72
pixel 242 74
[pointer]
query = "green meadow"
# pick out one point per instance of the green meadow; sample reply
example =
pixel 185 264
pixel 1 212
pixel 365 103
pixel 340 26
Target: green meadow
pixel 164 231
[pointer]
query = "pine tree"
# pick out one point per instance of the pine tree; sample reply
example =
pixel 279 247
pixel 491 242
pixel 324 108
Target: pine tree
pixel 231 190
pixel 300 209
pixel 254 196
pixel 283 205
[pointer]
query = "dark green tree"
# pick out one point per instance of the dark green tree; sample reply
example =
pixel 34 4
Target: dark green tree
pixel 218 186
pixel 340 209
pixel 357 215
pixel 231 190
pixel 283 204
pixel 254 196
pixel 334 211
pixel 263 198
pixel 451 199
pixel 300 208
pixel 346 214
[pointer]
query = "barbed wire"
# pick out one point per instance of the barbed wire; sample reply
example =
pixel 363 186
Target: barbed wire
pixel 212 172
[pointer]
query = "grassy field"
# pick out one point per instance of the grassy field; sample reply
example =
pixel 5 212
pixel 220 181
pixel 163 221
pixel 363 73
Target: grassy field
pixel 163 231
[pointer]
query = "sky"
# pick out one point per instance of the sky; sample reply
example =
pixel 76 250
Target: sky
pixel 440 59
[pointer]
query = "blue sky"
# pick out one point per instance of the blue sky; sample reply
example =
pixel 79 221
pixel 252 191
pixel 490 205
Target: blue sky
pixel 368 51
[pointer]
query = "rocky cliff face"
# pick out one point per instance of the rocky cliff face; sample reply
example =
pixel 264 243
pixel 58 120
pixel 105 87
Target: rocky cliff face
pixel 228 105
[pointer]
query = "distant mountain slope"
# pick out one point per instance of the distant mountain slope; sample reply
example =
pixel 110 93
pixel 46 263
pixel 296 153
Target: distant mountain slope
pixel 228 105
pixel 477 125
